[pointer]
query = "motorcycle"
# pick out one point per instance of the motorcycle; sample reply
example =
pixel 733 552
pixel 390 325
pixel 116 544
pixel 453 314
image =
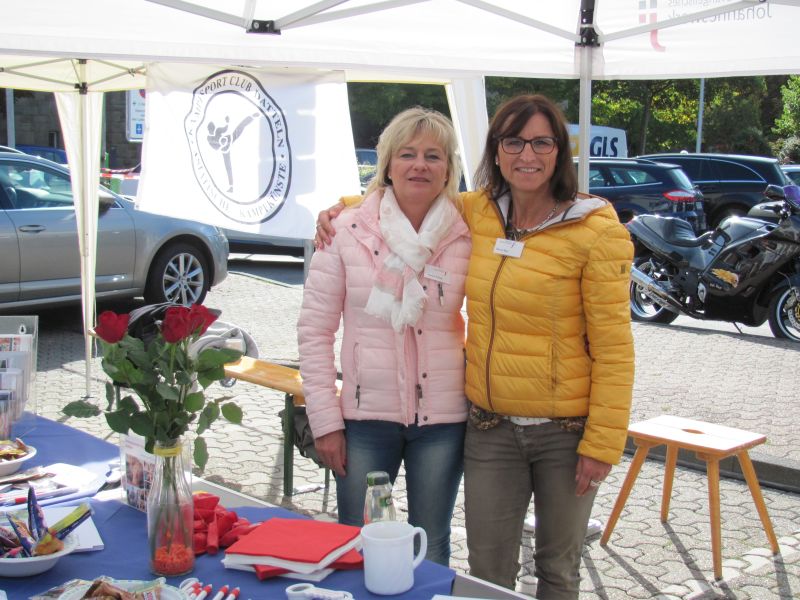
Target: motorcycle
pixel 747 270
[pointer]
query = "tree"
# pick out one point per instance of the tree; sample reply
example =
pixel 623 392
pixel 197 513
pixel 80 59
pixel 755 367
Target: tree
pixel 733 115
pixel 373 105
pixel 788 124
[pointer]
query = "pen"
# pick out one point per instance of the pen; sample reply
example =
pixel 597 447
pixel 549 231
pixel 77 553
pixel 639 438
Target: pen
pixel 204 592
pixel 223 591
pixel 234 595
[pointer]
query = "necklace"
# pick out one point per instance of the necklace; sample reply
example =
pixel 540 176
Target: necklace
pixel 515 233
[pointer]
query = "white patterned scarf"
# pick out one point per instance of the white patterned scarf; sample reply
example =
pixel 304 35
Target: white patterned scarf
pixel 397 296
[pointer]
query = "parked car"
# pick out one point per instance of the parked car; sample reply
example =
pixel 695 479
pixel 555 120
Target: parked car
pixel 57 155
pixel 138 253
pixel 792 172
pixel 367 160
pixel 639 186
pixel 731 183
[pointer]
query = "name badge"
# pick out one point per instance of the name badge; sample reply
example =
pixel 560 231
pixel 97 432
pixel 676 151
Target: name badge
pixel 436 274
pixel 510 248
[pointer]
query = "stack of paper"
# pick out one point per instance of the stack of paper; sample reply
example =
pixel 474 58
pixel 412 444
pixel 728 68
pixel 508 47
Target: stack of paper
pixel 298 548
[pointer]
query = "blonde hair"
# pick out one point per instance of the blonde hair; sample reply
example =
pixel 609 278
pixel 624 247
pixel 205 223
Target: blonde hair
pixel 404 127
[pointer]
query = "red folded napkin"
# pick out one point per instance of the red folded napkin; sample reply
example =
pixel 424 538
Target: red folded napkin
pixel 215 526
pixel 349 561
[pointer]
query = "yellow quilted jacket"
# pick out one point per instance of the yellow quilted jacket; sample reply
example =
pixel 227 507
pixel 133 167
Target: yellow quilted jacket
pixel 549 333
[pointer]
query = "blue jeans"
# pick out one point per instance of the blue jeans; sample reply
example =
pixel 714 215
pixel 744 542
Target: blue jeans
pixel 433 456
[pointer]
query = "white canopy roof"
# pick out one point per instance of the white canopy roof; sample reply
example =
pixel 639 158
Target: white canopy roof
pixel 82 47
pixel 415 39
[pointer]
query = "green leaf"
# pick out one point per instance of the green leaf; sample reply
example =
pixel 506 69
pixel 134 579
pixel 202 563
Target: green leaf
pixel 142 425
pixel 128 404
pixel 216 357
pixel 200 453
pixel 168 392
pixel 202 423
pixel 81 409
pixel 111 395
pixel 232 413
pixel 194 401
pixel 119 421
pixel 183 378
pixel 209 376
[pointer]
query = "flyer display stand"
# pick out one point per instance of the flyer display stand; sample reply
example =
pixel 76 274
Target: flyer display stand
pixel 18 349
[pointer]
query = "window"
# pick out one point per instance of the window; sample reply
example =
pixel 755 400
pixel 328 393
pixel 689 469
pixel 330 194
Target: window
pixel 631 176
pixel 735 172
pixel 29 188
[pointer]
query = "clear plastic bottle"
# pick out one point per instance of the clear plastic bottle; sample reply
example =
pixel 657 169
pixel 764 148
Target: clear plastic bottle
pixel 378 503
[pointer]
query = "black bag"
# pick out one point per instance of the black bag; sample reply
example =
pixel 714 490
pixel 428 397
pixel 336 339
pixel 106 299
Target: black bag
pixel 302 438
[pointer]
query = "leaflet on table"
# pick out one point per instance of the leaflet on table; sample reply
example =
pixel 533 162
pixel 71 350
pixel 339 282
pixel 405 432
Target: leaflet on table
pixel 63 481
pixel 137 470
pixel 16 370
pixel 88 536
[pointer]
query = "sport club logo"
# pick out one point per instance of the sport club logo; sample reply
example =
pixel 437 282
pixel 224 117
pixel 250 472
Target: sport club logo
pixel 239 146
pixel 648 13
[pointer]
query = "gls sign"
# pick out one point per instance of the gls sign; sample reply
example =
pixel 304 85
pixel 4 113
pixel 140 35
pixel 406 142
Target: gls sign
pixel 603 141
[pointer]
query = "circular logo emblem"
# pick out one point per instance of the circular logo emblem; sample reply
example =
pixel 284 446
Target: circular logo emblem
pixel 239 146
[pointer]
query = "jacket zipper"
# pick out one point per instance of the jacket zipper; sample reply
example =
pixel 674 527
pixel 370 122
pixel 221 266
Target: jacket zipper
pixel 491 334
pixel 358 395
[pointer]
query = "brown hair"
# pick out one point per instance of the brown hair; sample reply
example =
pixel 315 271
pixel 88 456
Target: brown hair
pixel 509 120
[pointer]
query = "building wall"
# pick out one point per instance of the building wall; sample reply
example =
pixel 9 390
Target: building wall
pixel 36 123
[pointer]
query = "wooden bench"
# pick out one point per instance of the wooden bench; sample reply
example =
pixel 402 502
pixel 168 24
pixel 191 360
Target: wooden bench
pixel 711 443
pixel 286 380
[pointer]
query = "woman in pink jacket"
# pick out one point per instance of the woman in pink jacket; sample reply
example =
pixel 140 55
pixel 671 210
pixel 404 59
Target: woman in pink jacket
pixel 395 276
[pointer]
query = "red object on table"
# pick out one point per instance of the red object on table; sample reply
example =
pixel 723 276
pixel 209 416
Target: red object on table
pixel 215 526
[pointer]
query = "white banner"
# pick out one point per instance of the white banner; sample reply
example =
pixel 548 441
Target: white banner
pixel 257 151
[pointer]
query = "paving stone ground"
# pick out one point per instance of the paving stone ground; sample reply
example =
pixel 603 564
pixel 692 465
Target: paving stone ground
pixel 743 381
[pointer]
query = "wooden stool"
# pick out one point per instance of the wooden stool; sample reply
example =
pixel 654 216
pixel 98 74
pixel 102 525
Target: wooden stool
pixel 711 443
pixel 288 381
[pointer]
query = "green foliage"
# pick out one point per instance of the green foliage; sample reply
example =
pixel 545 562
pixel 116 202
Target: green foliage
pixel 788 124
pixel 166 384
pixel 789 150
pixel 372 106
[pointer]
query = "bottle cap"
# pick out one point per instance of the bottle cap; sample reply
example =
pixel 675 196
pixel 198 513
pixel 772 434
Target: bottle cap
pixel 377 478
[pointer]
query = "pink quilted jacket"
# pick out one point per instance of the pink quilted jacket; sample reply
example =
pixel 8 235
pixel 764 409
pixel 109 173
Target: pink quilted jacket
pixel 385 375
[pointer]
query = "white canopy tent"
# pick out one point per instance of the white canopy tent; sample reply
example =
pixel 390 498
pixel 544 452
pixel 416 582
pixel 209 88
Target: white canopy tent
pixel 453 42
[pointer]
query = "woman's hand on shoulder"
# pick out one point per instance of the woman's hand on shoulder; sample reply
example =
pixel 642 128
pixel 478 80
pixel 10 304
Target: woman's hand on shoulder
pixel 325 229
pixel 332 451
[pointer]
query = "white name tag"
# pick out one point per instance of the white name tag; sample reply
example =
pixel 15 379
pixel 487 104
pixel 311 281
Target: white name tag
pixel 436 274
pixel 510 248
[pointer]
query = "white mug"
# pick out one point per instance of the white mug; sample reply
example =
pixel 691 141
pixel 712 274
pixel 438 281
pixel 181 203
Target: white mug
pixel 389 560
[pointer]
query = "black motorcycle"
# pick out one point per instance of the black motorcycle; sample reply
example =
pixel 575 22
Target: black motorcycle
pixel 745 271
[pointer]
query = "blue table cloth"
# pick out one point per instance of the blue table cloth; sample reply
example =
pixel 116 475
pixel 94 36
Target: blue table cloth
pixel 124 533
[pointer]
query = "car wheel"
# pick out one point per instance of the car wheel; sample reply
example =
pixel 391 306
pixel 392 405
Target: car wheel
pixel 730 211
pixel 784 314
pixel 643 308
pixel 179 274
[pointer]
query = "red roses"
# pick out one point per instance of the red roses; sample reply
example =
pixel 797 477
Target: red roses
pixel 111 327
pixel 179 324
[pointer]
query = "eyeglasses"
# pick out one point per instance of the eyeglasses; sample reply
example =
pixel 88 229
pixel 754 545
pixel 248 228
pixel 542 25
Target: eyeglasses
pixel 540 145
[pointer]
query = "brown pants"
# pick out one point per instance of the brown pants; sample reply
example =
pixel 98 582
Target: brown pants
pixel 503 468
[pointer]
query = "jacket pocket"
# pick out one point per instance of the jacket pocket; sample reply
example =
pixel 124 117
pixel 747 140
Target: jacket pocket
pixel 552 366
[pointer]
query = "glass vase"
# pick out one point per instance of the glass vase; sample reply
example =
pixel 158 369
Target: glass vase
pixel 170 513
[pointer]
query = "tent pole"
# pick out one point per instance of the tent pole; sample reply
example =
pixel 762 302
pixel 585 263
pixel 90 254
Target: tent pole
pixel 700 109
pixel 585 49
pixel 11 130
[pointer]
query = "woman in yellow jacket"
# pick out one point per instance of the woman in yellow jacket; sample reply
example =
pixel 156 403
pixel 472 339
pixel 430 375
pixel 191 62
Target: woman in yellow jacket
pixel 549 349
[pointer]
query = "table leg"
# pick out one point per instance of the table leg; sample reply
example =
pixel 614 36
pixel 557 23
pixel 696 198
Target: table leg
pixel 712 464
pixel 669 474
pixel 288 446
pixel 755 491
pixel 625 490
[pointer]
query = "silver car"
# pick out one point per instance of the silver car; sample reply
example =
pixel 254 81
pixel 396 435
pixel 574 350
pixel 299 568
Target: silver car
pixel 138 253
